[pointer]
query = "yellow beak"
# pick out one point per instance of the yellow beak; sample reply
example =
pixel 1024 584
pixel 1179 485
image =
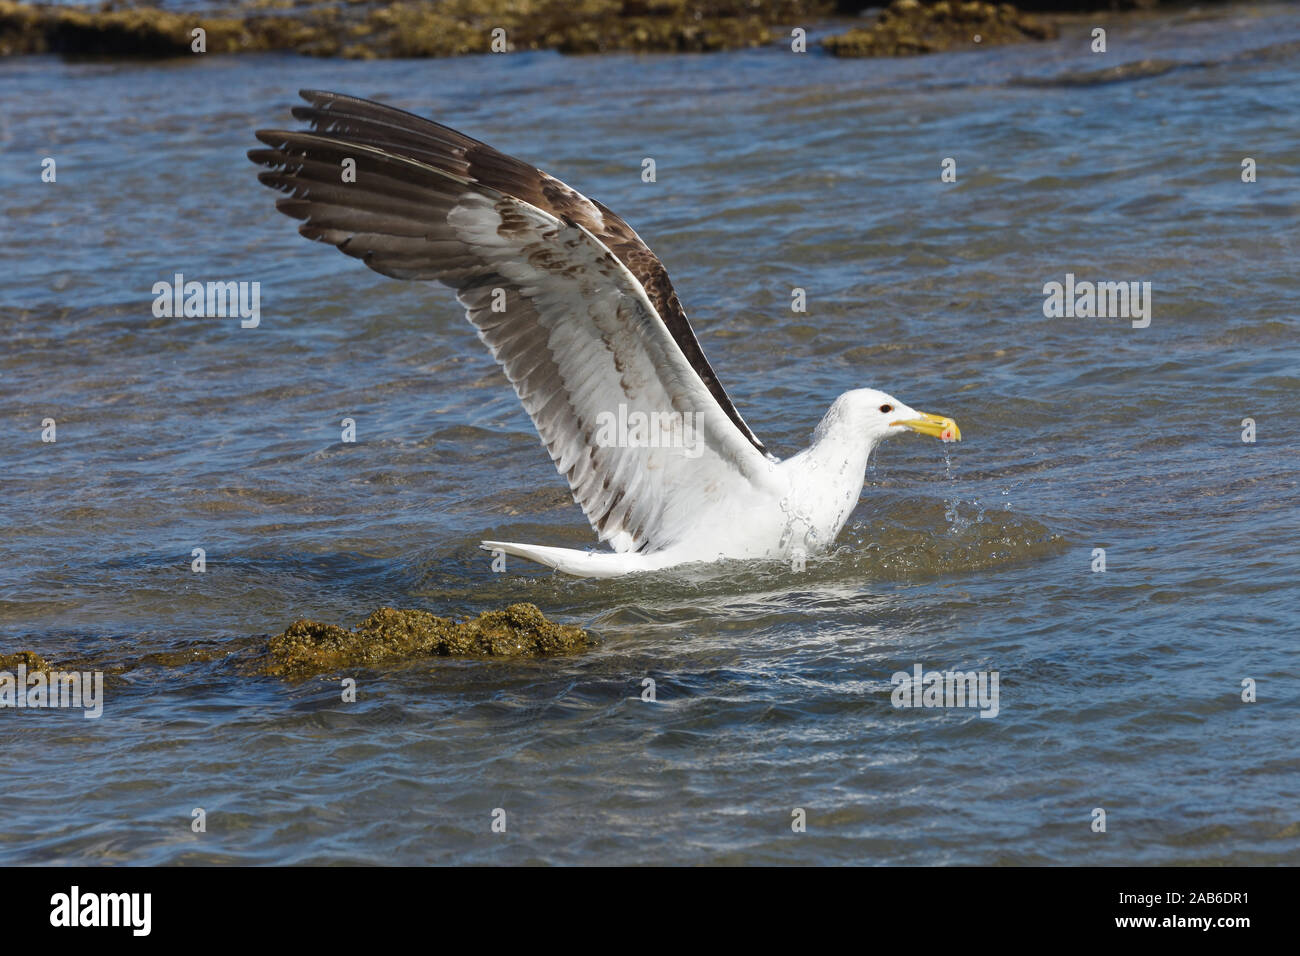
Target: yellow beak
pixel 936 426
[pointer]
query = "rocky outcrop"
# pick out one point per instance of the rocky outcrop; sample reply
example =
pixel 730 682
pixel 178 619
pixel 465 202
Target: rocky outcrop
pixel 909 27
pixel 308 648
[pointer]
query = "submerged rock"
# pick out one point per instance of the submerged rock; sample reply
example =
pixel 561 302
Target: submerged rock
pixel 909 27
pixel 29 659
pixel 307 648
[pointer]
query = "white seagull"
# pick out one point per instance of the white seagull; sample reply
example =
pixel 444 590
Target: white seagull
pixel 583 319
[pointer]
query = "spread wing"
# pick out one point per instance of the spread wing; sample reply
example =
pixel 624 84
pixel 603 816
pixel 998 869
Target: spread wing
pixel 573 305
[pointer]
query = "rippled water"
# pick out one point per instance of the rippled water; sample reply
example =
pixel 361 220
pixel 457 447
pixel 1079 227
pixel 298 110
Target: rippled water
pixel 1120 690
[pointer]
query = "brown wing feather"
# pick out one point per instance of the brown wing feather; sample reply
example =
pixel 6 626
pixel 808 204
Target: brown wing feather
pixel 348 118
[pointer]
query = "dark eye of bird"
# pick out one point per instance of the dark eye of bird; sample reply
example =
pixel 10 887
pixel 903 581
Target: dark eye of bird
pixel 886 408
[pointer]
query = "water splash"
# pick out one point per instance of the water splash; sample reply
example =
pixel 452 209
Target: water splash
pixel 958 523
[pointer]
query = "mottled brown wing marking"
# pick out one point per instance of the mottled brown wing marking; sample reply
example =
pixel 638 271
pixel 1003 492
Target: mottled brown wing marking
pixel 446 148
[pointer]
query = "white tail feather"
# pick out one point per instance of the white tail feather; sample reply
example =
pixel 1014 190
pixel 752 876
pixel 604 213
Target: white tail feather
pixel 586 564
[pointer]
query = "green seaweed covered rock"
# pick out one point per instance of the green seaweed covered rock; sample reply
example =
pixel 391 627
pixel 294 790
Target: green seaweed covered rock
pixel 307 647
pixel 28 659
